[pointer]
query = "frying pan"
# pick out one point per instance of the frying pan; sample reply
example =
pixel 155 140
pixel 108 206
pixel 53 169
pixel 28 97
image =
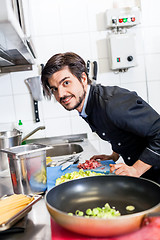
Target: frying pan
pixel 90 192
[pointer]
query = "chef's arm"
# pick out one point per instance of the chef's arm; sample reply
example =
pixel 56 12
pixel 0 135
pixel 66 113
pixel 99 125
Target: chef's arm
pixel 114 156
pixel 141 167
pixel 136 170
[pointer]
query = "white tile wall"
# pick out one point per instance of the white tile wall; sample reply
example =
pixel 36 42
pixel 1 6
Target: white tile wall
pixel 6 87
pixel 79 43
pixel 52 109
pixel 79 26
pixel 79 126
pixel 47 46
pixel 152 39
pixel 73 16
pixel 58 126
pixel 45 18
pixel 7 109
pixel 152 62
pixel 154 87
pixel 150 13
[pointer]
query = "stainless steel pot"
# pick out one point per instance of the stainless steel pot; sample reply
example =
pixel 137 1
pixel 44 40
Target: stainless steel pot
pixel 8 139
pixel 28 168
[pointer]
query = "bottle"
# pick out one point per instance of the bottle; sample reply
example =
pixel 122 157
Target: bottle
pixel 20 129
pixel 20 126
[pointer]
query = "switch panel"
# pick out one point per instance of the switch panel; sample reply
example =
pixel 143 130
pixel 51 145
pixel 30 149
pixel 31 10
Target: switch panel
pixel 122 17
pixel 122 51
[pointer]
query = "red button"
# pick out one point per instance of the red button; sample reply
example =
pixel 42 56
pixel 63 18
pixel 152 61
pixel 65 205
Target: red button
pixel 121 20
pixel 133 19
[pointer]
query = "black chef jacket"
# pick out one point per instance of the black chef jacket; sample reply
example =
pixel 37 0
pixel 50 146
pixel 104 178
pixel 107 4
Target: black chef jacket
pixel 125 120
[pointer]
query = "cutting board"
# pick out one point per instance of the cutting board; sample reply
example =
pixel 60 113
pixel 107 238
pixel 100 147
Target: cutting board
pixel 55 172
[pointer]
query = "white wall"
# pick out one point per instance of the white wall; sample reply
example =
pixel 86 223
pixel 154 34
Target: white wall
pixel 60 26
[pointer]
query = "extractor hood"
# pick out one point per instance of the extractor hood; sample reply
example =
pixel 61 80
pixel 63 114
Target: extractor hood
pixel 17 51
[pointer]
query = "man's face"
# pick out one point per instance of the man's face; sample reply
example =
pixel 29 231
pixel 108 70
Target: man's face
pixel 68 90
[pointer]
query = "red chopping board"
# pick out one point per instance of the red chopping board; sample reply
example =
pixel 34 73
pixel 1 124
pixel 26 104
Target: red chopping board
pixel 151 231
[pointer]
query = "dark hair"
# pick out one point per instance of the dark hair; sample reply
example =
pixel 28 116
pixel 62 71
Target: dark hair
pixel 57 62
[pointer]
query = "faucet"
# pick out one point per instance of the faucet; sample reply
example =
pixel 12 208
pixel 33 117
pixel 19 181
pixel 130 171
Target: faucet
pixel 34 131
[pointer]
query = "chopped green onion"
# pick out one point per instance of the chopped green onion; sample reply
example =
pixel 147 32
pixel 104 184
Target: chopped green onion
pixel 104 212
pixel 130 208
pixel 75 175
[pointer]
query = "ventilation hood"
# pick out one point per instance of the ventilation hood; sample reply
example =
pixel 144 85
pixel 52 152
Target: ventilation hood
pixel 17 51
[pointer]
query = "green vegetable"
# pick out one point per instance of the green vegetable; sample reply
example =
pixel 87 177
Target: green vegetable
pixel 79 213
pixel 89 212
pixel 75 175
pixel 130 208
pixel 40 177
pixel 104 212
pixel 70 214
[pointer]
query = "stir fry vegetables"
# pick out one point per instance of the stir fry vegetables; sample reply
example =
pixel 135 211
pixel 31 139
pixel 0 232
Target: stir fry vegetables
pixel 104 212
pixel 75 175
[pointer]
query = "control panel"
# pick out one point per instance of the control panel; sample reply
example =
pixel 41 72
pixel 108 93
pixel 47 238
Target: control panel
pixel 122 50
pixel 122 17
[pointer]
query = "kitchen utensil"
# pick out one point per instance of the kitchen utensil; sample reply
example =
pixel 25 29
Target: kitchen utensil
pixel 88 66
pixel 63 160
pixel 34 84
pixel 95 70
pixel 67 164
pixel 8 139
pixel 118 191
pixel 28 168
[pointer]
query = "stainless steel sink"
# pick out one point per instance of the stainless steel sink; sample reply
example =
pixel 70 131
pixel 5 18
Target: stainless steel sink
pixel 64 149
pixel 62 146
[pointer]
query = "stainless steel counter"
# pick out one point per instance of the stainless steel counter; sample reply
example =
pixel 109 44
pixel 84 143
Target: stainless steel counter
pixel 38 222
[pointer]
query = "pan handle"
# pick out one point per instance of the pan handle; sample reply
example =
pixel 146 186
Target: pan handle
pixel 153 214
pixel 36 111
pixel 148 218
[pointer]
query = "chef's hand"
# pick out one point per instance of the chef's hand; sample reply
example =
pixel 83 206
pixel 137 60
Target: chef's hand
pixel 114 156
pixel 123 169
pixel 136 170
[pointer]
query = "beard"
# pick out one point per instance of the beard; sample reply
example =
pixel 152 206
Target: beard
pixel 79 102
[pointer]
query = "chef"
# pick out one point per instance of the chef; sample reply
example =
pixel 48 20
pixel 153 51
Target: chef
pixel 117 115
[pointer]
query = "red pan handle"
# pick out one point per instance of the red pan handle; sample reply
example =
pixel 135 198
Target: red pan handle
pixel 149 218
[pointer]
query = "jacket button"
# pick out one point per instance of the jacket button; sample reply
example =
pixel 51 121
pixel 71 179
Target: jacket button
pixel 119 144
pixel 129 158
pixel 103 134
